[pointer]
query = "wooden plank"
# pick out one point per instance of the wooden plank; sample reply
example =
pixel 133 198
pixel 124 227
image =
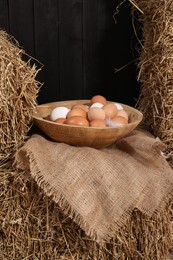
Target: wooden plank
pixel 4 23
pixel 47 48
pixel 21 24
pixel 123 51
pixel 79 44
pixel 116 49
pixel 107 46
pixel 91 57
pixel 71 49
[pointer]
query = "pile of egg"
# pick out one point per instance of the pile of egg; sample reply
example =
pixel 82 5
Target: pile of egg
pixel 99 113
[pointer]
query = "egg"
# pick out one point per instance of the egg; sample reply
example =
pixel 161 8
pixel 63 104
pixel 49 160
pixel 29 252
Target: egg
pixel 76 112
pixel 110 110
pixel 58 112
pixel 97 104
pixel 119 106
pixel 77 120
pixel 97 123
pixel 47 118
pixel 123 113
pixel 119 120
pixel 96 113
pixel 98 99
pixel 60 120
pixel 84 107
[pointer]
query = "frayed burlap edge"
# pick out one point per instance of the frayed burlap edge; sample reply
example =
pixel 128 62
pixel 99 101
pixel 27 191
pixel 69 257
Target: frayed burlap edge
pixel 58 197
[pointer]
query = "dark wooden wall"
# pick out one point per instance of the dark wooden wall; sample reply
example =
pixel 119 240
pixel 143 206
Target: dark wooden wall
pixel 79 44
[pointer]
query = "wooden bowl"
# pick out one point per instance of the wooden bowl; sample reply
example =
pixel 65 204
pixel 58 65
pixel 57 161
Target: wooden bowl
pixel 97 137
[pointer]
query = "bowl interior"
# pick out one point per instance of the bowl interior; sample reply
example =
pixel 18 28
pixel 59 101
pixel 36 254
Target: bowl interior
pixel 97 137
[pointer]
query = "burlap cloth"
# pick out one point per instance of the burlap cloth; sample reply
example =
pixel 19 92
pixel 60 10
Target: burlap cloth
pixel 99 189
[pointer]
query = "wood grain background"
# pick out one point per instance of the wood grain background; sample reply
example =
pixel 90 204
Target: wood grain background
pixel 79 44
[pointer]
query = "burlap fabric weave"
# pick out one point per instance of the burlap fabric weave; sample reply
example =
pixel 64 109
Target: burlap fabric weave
pixel 99 189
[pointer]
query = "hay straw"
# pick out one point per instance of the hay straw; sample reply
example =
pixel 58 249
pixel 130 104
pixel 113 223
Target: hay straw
pixel 34 227
pixel 18 93
pixel 156 70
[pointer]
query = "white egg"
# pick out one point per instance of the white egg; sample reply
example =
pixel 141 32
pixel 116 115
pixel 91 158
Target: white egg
pixel 119 106
pixel 97 104
pixel 59 112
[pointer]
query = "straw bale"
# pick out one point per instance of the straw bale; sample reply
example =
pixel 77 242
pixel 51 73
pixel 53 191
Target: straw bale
pixel 156 69
pixel 32 226
pixel 18 93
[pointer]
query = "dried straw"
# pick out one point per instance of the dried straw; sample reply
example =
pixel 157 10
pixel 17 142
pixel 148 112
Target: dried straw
pixel 156 70
pixel 34 227
pixel 18 92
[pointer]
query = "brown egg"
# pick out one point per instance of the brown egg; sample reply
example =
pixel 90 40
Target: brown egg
pixel 84 107
pixel 98 99
pixel 96 113
pixel 119 120
pixel 47 118
pixel 110 110
pixel 77 120
pixel 60 120
pixel 97 123
pixel 123 113
pixel 76 112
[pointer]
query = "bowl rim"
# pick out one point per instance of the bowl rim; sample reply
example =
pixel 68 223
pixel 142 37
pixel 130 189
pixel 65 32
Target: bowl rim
pixel 86 127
